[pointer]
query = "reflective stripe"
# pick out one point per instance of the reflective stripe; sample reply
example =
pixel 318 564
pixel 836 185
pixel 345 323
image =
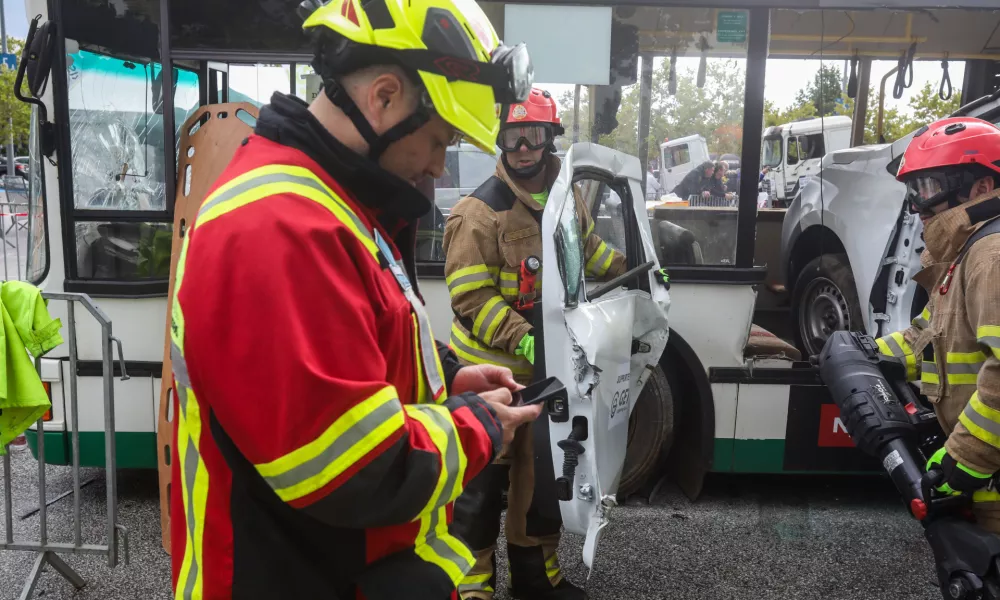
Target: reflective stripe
pixel 922 320
pixel 489 318
pixel 471 278
pixel 471 351
pixel 179 365
pixel 437 420
pixel 963 367
pixel 929 374
pixel 275 180
pixel 989 335
pixel 982 421
pixel 986 496
pixel 895 344
pixel 476 583
pixel 194 492
pixel 552 566
pixel 600 260
pixel 353 435
pixel 590 229
pixel 437 546
pixel 434 543
pixel 972 472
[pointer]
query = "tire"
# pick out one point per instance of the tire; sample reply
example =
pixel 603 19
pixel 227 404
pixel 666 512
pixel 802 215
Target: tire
pixel 824 300
pixel 650 432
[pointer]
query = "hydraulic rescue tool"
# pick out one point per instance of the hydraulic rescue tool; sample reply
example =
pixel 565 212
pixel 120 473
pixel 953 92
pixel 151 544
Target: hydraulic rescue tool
pixel 887 420
pixel 526 283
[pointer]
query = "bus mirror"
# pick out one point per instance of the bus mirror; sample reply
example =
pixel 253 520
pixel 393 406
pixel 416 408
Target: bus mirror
pixel 36 58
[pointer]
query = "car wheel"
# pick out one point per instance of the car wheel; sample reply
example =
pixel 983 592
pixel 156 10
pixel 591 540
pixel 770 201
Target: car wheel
pixel 824 300
pixel 650 432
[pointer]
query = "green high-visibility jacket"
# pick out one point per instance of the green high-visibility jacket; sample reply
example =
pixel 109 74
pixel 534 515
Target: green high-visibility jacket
pixel 27 328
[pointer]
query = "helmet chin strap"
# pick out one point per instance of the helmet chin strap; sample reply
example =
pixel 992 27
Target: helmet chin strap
pixel 526 172
pixel 377 144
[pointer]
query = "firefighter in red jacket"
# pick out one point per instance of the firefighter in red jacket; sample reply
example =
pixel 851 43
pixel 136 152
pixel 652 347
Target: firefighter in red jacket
pixel 321 434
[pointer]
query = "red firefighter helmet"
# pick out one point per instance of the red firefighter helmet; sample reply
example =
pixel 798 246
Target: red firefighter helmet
pixel 533 123
pixel 944 159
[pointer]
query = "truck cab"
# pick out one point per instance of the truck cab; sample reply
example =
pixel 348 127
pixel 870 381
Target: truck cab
pixel 794 151
pixel 678 157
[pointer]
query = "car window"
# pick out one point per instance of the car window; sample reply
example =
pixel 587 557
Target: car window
pixel 475 167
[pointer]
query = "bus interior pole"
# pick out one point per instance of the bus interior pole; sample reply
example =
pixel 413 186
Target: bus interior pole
pixel 753 124
pixel 645 102
pixel 10 120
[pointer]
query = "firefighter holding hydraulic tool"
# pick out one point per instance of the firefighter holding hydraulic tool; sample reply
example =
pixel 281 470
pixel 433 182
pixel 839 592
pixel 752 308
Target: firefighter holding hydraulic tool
pixel 492 244
pixel 951 169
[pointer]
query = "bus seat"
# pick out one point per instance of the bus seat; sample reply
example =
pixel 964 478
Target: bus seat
pixel 764 344
pixel 677 245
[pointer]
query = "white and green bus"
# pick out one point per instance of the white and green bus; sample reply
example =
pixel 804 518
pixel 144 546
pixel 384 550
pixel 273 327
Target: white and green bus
pixel 628 75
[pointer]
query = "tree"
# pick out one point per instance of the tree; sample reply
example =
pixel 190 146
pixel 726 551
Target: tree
pixel 928 106
pixel 774 116
pixel 10 107
pixel 823 91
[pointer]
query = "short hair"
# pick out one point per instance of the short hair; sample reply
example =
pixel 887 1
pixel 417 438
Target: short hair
pixel 362 77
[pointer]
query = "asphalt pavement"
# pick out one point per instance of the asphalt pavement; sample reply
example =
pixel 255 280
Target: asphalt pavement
pixel 758 538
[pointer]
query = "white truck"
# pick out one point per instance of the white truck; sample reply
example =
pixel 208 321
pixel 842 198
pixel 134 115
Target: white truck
pixel 794 151
pixel 678 157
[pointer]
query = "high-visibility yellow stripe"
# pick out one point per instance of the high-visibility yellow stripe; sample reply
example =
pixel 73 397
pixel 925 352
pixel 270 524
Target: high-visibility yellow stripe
pixel 989 336
pixel 883 347
pixel 931 378
pixel 283 187
pixel 434 543
pixel 439 424
pixel 471 278
pixel 353 435
pixel 423 393
pixel 590 229
pixel 982 421
pixel 489 318
pixel 922 320
pixel 963 367
pixel 194 482
pixel 600 260
pixel 472 351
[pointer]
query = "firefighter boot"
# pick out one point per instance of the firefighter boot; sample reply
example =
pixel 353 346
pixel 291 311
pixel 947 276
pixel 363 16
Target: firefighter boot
pixel 535 577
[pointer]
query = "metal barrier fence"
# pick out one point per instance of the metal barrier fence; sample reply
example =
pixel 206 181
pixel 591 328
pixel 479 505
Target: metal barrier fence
pixel 48 550
pixel 713 201
pixel 15 206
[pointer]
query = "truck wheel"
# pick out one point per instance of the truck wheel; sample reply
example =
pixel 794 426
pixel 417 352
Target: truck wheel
pixel 824 300
pixel 650 432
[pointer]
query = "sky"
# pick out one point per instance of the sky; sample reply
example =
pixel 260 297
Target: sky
pixel 783 79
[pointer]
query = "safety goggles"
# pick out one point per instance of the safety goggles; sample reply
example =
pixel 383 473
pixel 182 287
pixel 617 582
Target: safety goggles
pixel 926 189
pixel 534 137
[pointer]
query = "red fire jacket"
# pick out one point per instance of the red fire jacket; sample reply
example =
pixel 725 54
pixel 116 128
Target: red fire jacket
pixel 311 459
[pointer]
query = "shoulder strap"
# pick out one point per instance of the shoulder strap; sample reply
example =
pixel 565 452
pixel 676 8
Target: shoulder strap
pixel 496 194
pixel 990 228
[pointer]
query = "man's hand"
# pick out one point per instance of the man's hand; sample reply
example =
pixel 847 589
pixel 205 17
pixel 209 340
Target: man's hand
pixel 510 417
pixel 484 378
pixel 706 194
pixel 958 478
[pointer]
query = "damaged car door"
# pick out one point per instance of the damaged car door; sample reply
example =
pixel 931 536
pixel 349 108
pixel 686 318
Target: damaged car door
pixel 602 338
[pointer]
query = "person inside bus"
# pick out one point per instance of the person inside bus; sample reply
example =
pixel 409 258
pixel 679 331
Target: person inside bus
pixel 697 182
pixel 951 169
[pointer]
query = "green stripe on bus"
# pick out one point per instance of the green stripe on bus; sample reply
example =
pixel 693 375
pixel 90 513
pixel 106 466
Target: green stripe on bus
pixel 135 449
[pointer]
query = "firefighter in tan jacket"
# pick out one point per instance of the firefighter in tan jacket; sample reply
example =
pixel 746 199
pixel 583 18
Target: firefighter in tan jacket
pixel 486 238
pixel 952 171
